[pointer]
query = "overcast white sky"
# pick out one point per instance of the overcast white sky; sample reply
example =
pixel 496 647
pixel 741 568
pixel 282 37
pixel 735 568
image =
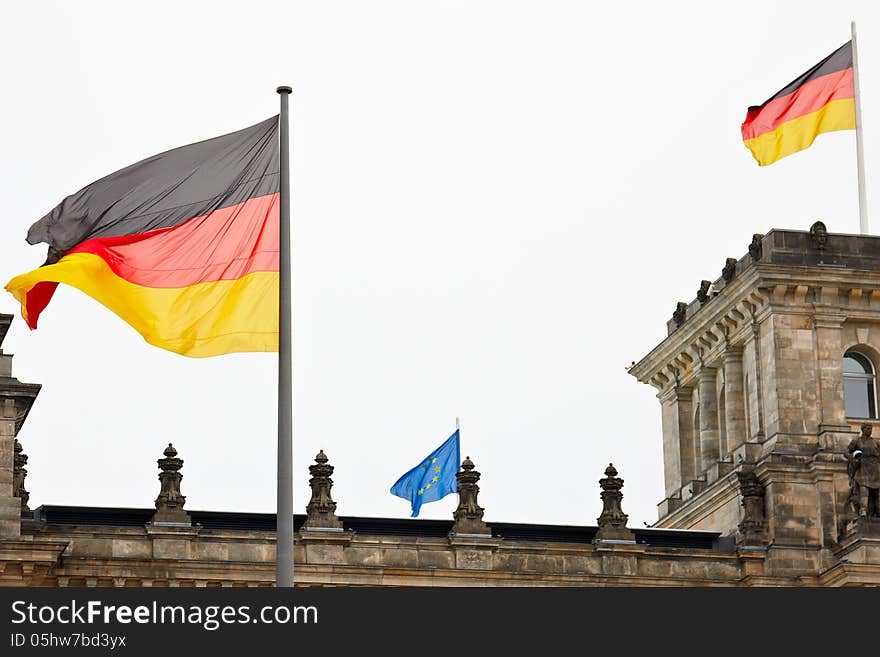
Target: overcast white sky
pixel 496 206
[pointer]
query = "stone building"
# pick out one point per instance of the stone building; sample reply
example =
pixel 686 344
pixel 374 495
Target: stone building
pixel 765 380
pixel 767 387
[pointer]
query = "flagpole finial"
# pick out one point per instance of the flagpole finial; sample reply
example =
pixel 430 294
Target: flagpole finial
pixel 284 89
pixel 457 424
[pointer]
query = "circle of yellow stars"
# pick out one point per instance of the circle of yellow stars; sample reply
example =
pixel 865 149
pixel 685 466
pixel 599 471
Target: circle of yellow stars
pixel 436 476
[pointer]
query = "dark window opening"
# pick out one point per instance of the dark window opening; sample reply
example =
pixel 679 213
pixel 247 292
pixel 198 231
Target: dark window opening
pixel 859 387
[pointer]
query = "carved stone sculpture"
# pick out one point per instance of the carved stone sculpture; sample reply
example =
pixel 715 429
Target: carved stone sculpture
pixel 19 473
pixel 703 292
pixel 755 248
pixel 863 468
pixel 680 313
pixel 321 509
pixel 729 271
pixel 819 234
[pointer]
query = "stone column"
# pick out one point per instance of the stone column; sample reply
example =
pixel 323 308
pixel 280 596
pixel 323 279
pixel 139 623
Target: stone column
pixel 678 441
pixel 734 402
pixel 672 461
pixel 709 446
pixel 753 393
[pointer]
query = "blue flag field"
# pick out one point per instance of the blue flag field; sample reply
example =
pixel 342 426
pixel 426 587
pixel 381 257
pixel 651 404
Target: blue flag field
pixel 433 478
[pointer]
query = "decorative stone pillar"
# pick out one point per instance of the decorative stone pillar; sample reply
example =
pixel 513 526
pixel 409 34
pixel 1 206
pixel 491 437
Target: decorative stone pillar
pixel 321 509
pixel 469 515
pixel 19 473
pixel 678 441
pixel 734 401
pixel 753 393
pixel 612 521
pixel 709 445
pixel 169 504
pixel 752 530
pixel 829 354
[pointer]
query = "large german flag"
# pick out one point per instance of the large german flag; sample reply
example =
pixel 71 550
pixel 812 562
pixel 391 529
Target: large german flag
pixel 183 246
pixel 820 100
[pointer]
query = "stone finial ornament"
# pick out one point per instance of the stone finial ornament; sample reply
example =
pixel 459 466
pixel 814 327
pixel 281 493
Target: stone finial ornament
pixel 819 235
pixel 19 473
pixel 169 504
pixel 469 515
pixel 612 521
pixel 756 250
pixel 752 530
pixel 729 271
pixel 321 509
pixel 680 313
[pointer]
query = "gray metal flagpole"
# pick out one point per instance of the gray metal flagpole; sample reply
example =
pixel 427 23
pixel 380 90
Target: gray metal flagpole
pixel 860 154
pixel 284 509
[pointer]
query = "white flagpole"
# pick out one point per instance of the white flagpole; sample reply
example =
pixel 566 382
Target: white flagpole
pixel 860 154
pixel 284 508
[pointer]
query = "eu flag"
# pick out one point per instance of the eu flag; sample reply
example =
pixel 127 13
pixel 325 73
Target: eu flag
pixel 433 478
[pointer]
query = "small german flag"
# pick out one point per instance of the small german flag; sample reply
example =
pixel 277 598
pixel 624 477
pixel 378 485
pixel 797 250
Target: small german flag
pixel 820 100
pixel 182 245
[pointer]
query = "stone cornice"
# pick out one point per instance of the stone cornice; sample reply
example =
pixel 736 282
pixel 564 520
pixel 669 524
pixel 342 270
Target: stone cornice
pixel 44 554
pixel 186 532
pixel 832 296
pixel 325 535
pixel 704 336
pixel 22 397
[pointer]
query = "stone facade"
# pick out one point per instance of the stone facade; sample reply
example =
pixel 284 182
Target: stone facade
pixel 16 399
pixel 767 481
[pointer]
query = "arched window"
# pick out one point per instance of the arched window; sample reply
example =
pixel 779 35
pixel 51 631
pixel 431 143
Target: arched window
pixel 859 387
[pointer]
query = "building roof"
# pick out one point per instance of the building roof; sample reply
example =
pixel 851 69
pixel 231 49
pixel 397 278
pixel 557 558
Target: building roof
pixel 223 520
